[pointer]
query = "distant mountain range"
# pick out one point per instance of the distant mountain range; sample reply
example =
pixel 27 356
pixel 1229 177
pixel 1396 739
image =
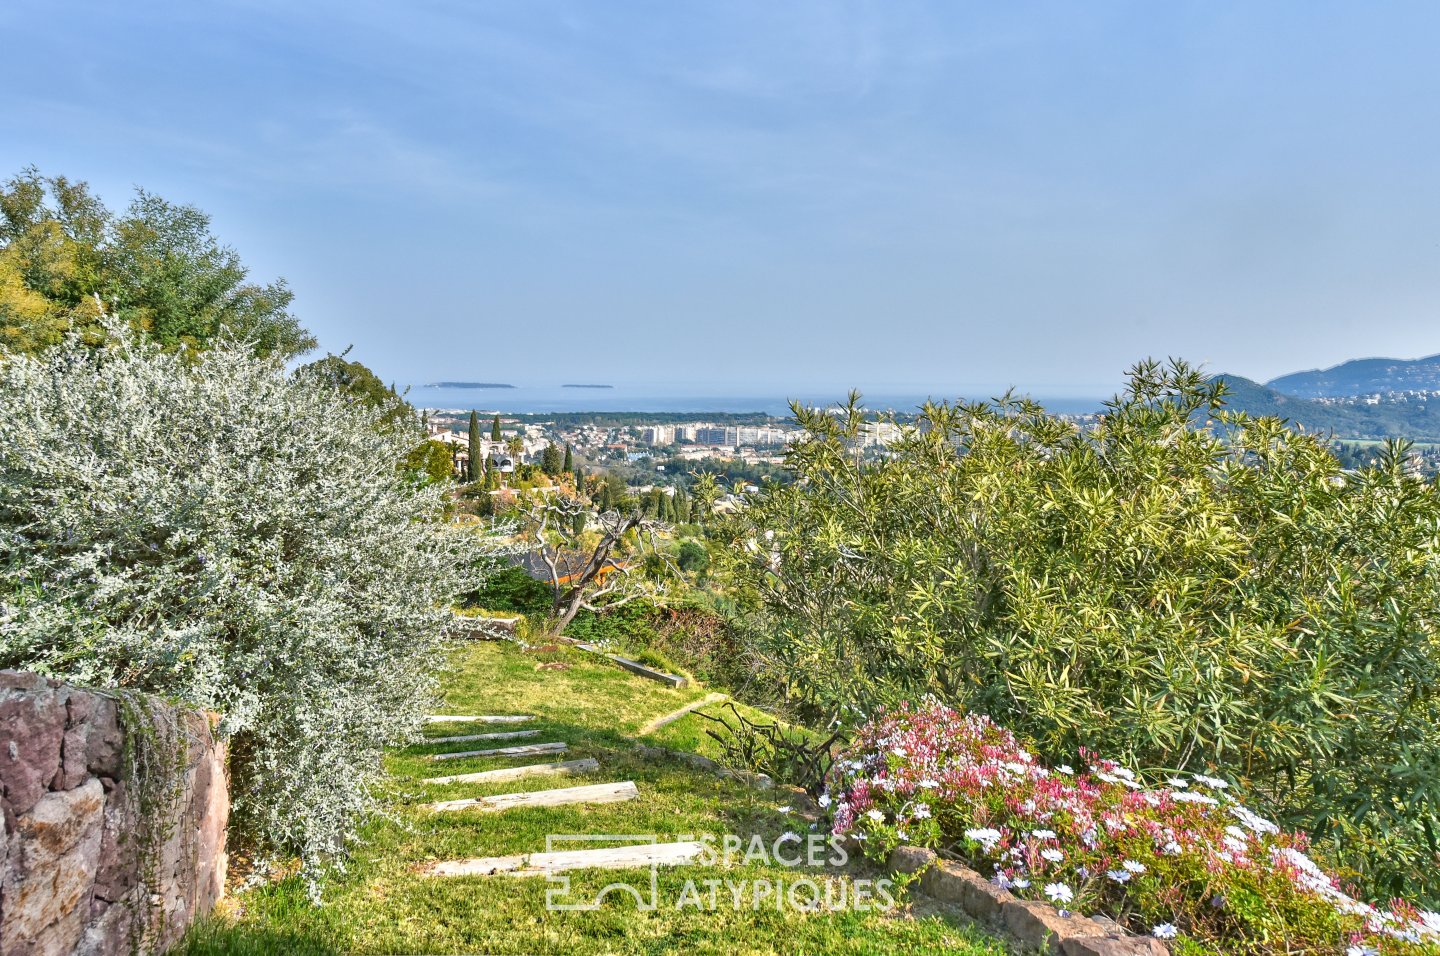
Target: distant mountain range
pixel 1349 417
pixel 1367 376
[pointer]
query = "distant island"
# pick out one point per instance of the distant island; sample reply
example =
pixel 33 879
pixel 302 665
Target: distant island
pixel 468 385
pixel 587 386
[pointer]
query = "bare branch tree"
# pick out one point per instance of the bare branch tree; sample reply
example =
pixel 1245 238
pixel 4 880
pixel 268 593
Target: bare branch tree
pixel 586 575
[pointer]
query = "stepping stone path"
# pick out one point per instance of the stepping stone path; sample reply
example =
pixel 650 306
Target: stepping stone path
pixel 525 750
pixel 537 864
pixel 595 793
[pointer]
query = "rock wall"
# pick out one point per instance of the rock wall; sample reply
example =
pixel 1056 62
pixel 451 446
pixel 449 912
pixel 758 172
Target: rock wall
pixel 114 812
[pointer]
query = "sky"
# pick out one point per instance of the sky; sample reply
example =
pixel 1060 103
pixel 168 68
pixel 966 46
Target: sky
pixel 777 195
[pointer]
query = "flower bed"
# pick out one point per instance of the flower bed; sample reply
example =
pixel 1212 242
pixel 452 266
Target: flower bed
pixel 1183 861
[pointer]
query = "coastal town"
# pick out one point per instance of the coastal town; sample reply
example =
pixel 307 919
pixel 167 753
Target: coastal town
pixel 523 439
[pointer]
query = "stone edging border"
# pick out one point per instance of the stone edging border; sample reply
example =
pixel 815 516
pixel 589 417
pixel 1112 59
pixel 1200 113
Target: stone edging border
pixel 1030 923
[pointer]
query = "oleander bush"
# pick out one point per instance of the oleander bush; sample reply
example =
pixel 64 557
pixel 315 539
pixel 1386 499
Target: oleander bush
pixel 1172 584
pixel 1181 859
pixel 207 527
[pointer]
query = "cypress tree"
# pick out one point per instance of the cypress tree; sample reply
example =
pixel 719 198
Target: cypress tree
pixel 569 458
pixel 495 429
pixel 477 465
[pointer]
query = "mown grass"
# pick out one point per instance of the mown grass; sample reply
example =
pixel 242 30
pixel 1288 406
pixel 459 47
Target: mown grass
pixel 381 904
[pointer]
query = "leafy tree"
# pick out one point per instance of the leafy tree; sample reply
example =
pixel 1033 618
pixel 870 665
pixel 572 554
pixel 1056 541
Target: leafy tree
pixel 364 386
pixel 430 461
pixel 65 258
pixel 1179 585
pixel 551 461
pixel 210 528
pixel 476 466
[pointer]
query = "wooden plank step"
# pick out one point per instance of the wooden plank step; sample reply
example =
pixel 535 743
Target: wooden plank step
pixel 635 667
pixel 466 738
pixel 539 864
pixel 564 768
pixel 591 793
pixel 478 719
pixel 525 750
pixel 675 715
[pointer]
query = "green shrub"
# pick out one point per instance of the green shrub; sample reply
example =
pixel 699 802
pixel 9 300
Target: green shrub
pixel 511 589
pixel 210 528
pixel 1178 586
pixel 692 558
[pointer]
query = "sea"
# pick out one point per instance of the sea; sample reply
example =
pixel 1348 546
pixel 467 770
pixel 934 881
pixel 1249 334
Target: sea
pixel 531 399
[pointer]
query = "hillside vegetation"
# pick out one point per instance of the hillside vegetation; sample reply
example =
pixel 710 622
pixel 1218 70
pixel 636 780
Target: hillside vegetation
pixel 1366 376
pixel 1392 416
pixel 1181 587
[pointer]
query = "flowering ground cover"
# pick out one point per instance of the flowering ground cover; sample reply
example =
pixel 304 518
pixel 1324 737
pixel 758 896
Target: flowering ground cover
pixel 1180 858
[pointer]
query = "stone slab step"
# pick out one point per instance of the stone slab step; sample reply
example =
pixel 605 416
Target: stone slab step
pixel 563 768
pixel 607 858
pixel 591 793
pixel 467 738
pixel 635 667
pixel 479 719
pixel 525 750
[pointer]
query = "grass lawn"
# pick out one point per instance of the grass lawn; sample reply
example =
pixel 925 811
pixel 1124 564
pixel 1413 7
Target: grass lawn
pixel 382 905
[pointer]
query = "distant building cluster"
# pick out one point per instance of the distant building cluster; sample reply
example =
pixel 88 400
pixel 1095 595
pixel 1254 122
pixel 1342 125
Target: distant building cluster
pixel 732 436
pixel 598 443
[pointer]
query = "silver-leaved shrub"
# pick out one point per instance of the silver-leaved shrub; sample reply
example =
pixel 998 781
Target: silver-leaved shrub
pixel 212 528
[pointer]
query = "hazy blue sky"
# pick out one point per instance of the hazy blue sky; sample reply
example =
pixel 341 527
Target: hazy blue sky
pixel 773 193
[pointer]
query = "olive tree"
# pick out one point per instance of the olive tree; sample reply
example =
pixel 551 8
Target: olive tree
pixel 1174 583
pixel 592 559
pixel 207 527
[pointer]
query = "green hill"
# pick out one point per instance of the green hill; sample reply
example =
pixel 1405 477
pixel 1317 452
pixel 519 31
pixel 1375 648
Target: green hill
pixel 1389 417
pixel 1368 376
